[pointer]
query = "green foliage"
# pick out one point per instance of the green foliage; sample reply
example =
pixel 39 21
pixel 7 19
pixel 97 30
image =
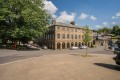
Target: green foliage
pixel 87 37
pixel 22 19
pixel 116 30
pixel 93 46
pixel 105 30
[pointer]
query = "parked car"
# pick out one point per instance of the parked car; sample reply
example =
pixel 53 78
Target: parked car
pixel 27 47
pixel 83 47
pixel 73 48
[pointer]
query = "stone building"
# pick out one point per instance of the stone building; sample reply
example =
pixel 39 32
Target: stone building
pixel 101 39
pixel 106 39
pixel 63 36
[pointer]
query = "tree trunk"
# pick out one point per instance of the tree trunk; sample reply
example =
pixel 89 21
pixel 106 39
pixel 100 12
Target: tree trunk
pixel 15 44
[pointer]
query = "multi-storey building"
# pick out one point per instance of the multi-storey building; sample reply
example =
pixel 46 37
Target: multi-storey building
pixel 62 36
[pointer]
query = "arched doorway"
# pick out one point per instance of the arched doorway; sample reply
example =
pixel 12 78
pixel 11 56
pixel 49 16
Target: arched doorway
pixel 88 44
pixel 76 44
pixel 94 42
pixel 58 45
pixel 79 44
pixel 82 43
pixel 72 44
pixel 91 44
pixel 63 45
pixel 68 45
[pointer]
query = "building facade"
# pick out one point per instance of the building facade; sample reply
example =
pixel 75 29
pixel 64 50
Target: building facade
pixel 100 39
pixel 63 36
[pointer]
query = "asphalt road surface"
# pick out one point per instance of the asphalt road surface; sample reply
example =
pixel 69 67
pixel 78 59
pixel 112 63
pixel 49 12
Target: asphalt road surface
pixel 13 55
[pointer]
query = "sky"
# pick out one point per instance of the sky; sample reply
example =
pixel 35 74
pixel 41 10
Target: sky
pixel 93 13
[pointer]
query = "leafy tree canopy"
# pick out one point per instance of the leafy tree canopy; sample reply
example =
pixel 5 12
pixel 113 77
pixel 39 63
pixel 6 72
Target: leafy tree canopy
pixel 22 18
pixel 105 30
pixel 87 36
pixel 116 30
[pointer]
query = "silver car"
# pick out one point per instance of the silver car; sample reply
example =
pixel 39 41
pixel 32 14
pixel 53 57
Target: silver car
pixel 73 48
pixel 83 47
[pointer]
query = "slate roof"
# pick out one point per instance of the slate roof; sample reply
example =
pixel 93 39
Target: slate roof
pixel 69 25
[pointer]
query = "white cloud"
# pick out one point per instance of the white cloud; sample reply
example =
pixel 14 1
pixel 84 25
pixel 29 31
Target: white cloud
pixel 65 17
pixel 50 8
pixel 116 16
pixel 92 17
pixel 105 24
pixel 83 16
pixel 98 26
pixel 113 23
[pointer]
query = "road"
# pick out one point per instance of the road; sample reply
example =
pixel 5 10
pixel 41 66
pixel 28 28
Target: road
pixel 13 55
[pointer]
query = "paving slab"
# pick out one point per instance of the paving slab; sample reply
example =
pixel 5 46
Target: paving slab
pixel 62 67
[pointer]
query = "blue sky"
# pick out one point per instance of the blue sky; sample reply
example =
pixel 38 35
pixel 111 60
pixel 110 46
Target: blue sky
pixel 94 13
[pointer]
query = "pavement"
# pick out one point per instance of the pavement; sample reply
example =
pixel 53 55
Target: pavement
pixel 72 66
pixel 7 56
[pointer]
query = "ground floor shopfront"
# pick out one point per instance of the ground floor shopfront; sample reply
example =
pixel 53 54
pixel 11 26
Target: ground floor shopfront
pixel 66 45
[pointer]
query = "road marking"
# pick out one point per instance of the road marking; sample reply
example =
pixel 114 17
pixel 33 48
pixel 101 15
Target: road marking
pixel 17 61
pixel 3 64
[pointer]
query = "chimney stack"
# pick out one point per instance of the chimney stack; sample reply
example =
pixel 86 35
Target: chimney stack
pixel 53 22
pixel 73 22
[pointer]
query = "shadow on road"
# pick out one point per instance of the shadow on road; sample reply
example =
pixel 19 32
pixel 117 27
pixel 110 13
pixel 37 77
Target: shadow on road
pixel 109 66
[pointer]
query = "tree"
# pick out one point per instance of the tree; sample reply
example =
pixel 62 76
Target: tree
pixel 115 29
pixel 22 19
pixel 118 32
pixel 99 31
pixel 87 37
pixel 105 30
